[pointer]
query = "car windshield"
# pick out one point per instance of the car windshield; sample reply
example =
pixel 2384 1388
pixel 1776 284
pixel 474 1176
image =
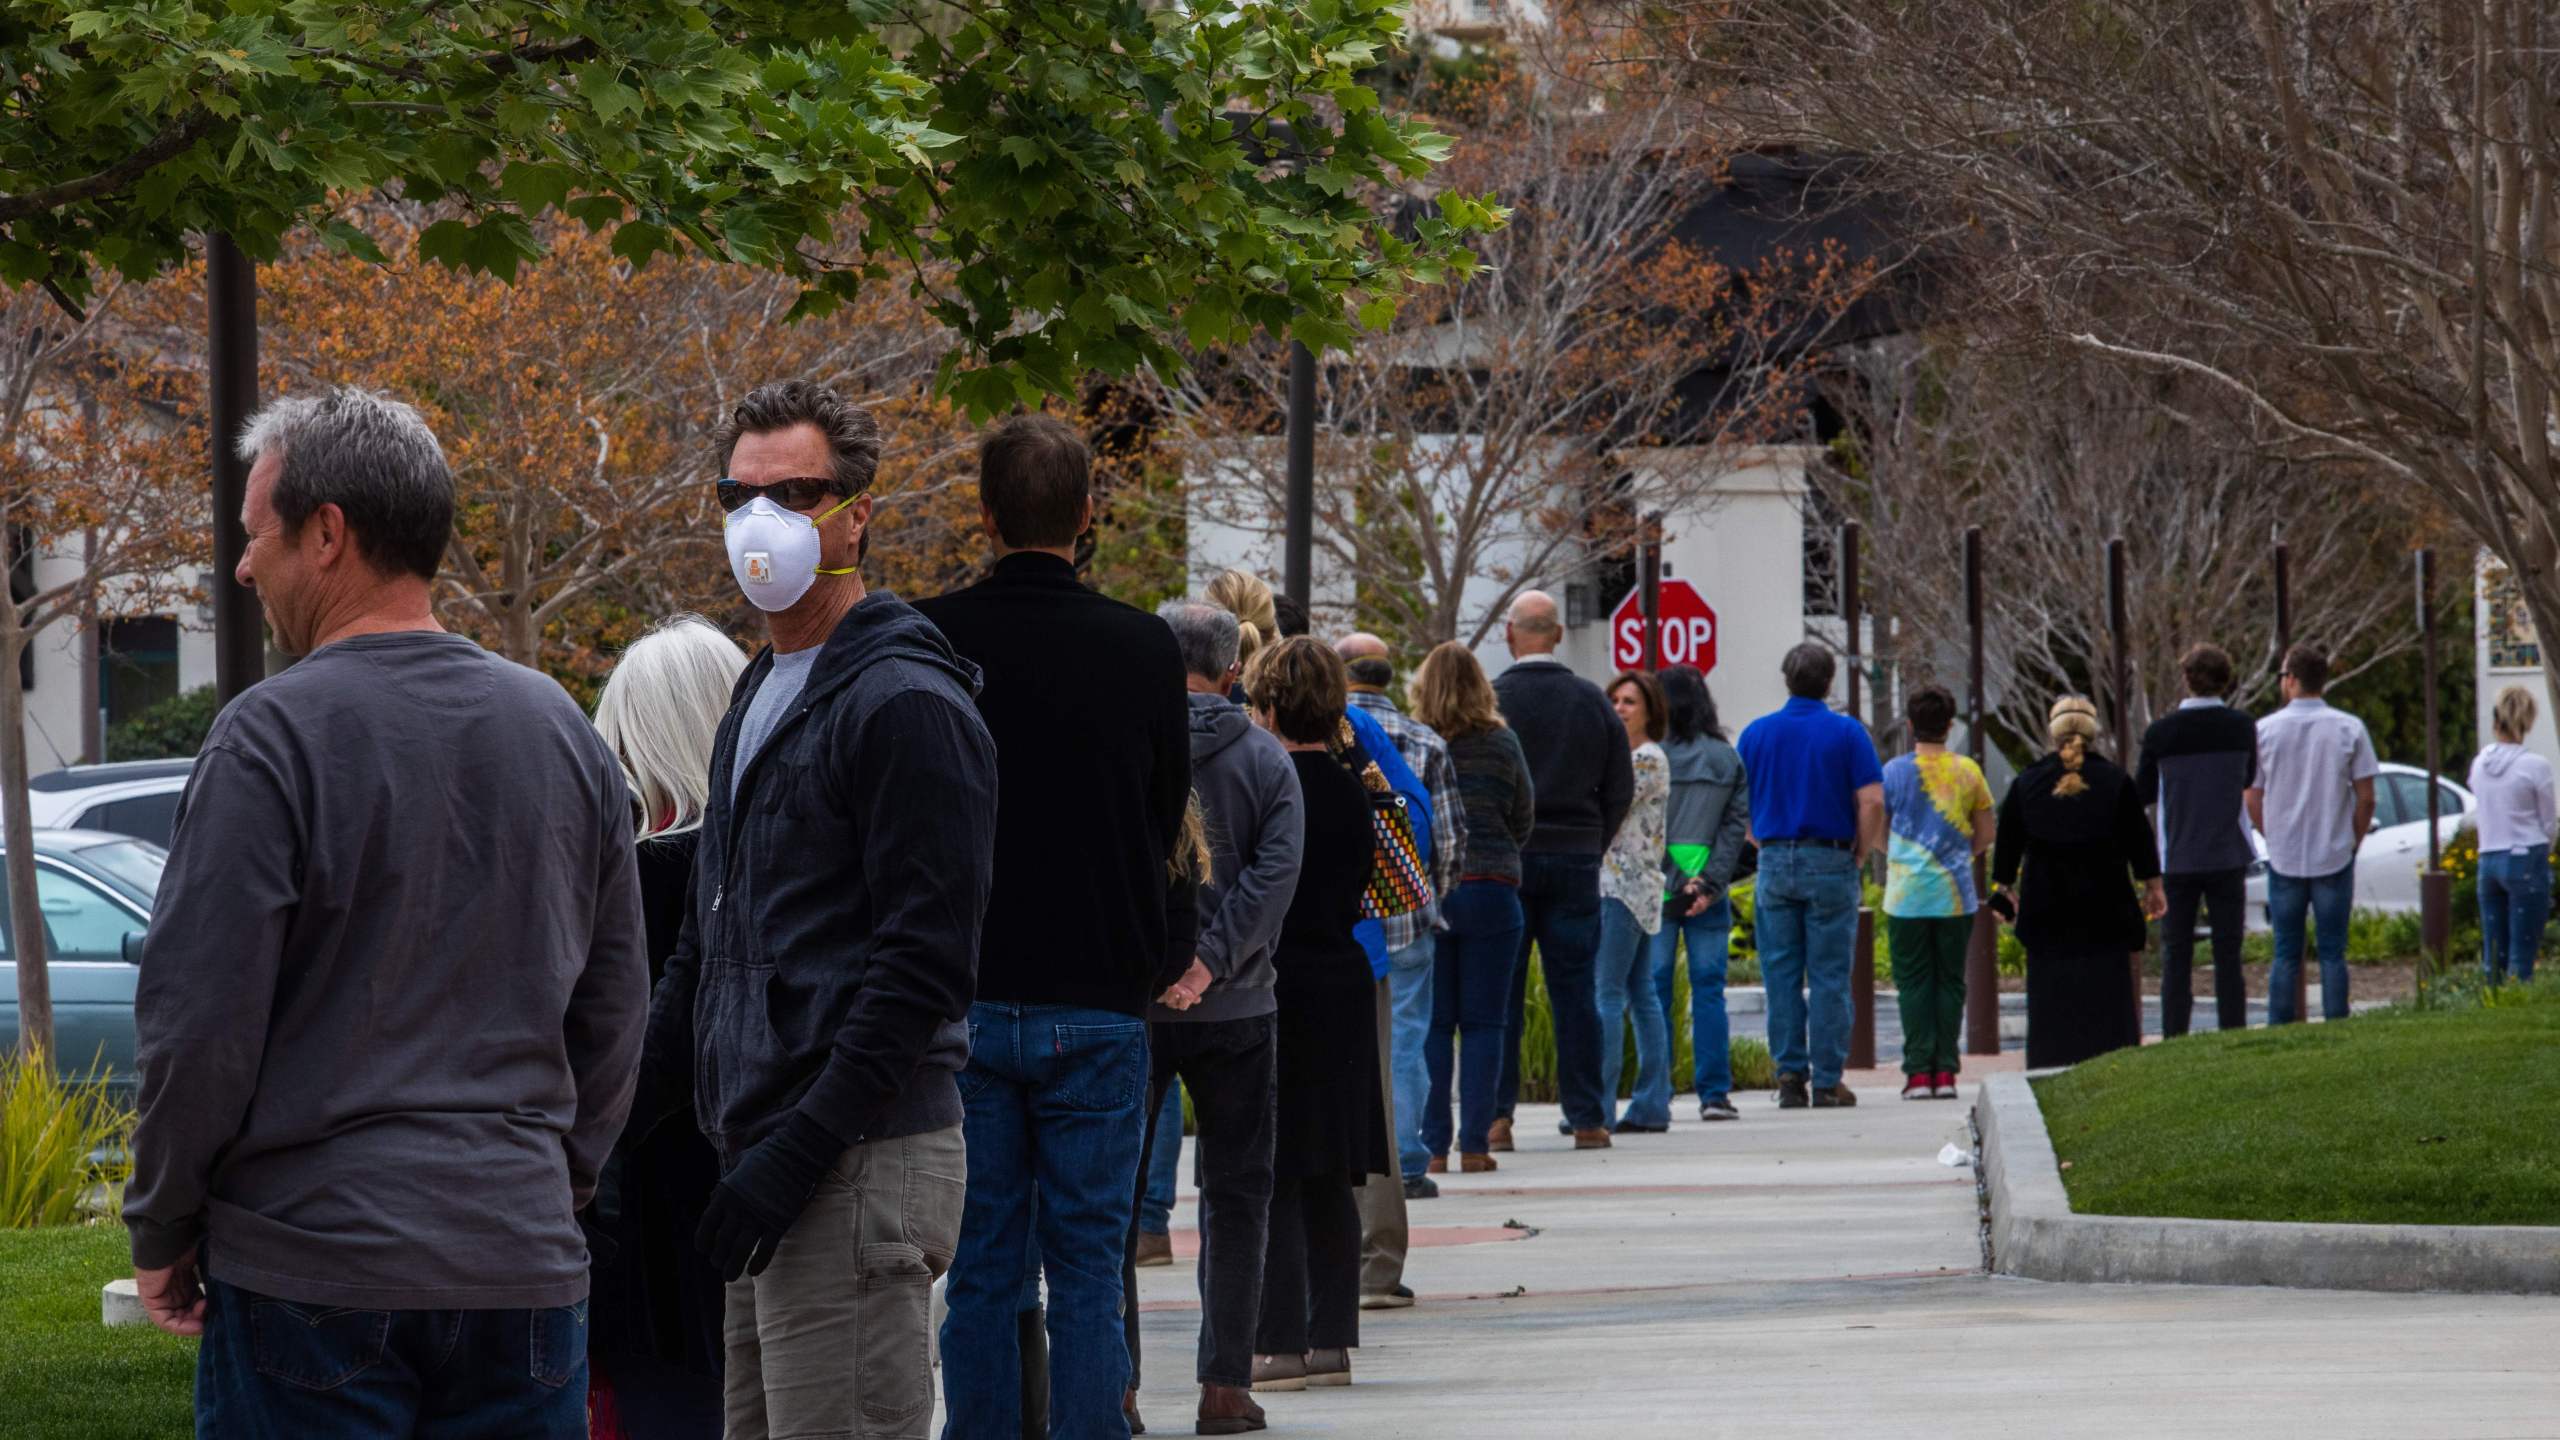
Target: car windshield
pixel 132 866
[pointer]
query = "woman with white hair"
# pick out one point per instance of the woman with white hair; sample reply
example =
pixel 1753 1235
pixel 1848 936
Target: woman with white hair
pixel 2514 791
pixel 2075 823
pixel 654 1337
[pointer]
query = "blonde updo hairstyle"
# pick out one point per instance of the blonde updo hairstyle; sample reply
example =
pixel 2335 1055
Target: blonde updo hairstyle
pixel 2073 723
pixel 1247 597
pixel 2516 712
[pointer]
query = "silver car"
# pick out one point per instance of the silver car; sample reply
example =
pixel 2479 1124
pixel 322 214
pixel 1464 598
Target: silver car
pixel 95 891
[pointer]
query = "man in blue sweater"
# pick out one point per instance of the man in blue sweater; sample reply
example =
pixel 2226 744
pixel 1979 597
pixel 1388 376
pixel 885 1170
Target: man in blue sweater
pixel 1585 781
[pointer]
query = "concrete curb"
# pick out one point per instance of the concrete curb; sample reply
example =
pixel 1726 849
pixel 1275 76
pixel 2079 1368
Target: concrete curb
pixel 2034 1233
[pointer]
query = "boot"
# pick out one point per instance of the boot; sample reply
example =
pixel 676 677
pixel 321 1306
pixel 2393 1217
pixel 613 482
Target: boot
pixel 1032 1328
pixel 1476 1164
pixel 1498 1140
pixel 1129 1411
pixel 1229 1410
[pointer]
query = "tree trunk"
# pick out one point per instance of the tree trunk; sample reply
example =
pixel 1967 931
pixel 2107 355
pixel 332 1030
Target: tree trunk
pixel 93 654
pixel 17 833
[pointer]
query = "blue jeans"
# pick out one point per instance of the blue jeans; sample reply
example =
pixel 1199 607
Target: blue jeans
pixel 1471 976
pixel 1055 1102
pixel 1806 920
pixel 275 1367
pixel 1164 1165
pixel 2328 898
pixel 1560 912
pixel 1709 934
pixel 1409 991
pixel 2515 898
pixel 1624 988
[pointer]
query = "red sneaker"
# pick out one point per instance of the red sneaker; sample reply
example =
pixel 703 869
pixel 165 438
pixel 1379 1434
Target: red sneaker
pixel 1918 1087
pixel 1942 1086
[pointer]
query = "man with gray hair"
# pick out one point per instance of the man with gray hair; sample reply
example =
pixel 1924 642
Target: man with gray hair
pixel 1216 1027
pixel 1585 782
pixel 390 1010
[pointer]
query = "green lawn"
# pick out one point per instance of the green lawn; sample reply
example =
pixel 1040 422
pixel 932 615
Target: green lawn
pixel 2443 1118
pixel 62 1374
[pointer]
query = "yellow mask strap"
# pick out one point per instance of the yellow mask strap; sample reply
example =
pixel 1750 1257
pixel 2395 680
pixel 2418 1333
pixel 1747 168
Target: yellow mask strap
pixel 831 514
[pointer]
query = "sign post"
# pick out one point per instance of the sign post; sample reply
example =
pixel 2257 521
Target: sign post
pixel 1684 635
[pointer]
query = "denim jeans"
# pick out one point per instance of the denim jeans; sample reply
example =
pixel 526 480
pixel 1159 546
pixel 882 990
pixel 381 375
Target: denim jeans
pixel 274 1367
pixel 1709 938
pixel 2515 898
pixel 1560 914
pixel 2328 899
pixel 1409 981
pixel 1055 1102
pixel 1806 919
pixel 1164 1164
pixel 1624 989
pixel 1471 978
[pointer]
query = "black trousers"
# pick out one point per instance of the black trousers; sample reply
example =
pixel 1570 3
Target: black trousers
pixel 1230 1068
pixel 1311 1284
pixel 2224 895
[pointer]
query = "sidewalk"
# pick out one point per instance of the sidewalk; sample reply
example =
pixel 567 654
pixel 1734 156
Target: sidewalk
pixel 1818 1274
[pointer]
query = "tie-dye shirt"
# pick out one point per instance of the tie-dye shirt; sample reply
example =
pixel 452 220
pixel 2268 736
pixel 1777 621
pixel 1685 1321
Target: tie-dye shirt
pixel 1931 801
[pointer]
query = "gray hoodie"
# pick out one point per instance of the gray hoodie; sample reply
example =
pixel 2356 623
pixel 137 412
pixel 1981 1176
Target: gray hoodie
pixel 1257 832
pixel 1710 806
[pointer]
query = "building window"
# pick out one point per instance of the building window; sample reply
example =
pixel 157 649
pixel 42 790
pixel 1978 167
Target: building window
pixel 137 665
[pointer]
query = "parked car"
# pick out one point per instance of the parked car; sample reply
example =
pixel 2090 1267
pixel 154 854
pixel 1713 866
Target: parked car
pixel 2387 865
pixel 132 797
pixel 96 891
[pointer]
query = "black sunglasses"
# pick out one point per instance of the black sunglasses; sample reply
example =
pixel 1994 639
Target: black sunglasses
pixel 801 492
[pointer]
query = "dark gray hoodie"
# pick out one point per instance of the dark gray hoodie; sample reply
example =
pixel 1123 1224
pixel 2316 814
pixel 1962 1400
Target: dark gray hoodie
pixel 1257 832
pixel 1707 815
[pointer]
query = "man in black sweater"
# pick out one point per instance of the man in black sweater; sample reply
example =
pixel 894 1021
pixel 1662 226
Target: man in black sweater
pixel 1585 781
pixel 1084 697
pixel 2196 761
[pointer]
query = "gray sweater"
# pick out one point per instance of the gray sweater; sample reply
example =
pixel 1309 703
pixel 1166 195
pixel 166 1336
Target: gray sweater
pixel 1257 831
pixel 390 1010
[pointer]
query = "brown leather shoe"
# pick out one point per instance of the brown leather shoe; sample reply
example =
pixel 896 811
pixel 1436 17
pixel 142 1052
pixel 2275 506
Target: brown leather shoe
pixel 1499 1139
pixel 1129 1411
pixel 1476 1164
pixel 1591 1140
pixel 1328 1367
pixel 1154 1249
pixel 1439 1165
pixel 1835 1097
pixel 1229 1410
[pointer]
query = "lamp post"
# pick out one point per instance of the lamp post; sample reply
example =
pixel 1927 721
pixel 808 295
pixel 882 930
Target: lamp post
pixel 231 333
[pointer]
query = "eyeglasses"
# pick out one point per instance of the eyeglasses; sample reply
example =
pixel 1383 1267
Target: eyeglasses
pixel 800 492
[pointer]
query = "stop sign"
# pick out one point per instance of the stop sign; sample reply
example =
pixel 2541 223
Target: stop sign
pixel 1688 628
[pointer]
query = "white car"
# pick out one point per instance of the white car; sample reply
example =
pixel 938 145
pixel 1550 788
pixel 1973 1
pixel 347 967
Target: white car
pixel 132 797
pixel 2387 865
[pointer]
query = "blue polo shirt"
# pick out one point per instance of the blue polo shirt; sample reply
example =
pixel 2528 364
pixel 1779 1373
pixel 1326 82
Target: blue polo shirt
pixel 1805 765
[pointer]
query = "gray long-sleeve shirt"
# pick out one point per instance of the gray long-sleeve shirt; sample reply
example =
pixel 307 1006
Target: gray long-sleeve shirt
pixel 390 1010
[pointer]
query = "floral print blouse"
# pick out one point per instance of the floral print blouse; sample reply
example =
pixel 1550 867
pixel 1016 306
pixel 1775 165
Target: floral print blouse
pixel 1631 874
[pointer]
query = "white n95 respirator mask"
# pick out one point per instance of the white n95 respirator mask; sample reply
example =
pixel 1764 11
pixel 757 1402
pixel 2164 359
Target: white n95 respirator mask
pixel 773 552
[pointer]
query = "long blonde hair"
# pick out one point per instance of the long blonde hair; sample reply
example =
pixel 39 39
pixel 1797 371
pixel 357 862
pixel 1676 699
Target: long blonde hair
pixel 1450 694
pixel 2073 723
pixel 661 711
pixel 1191 855
pixel 1247 597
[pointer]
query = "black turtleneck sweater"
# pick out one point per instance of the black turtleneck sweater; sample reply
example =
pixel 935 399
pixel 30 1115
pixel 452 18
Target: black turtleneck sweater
pixel 1084 697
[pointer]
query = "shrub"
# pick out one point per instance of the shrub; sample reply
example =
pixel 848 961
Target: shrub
pixel 59 1140
pixel 174 729
pixel 1754 1068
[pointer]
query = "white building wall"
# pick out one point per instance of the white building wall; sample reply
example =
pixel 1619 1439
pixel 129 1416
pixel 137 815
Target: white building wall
pixel 53 706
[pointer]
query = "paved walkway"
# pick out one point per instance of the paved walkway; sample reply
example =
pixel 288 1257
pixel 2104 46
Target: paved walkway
pixel 1818 1274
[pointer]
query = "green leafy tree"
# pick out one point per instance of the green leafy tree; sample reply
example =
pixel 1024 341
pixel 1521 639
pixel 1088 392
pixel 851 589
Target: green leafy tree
pixel 1061 179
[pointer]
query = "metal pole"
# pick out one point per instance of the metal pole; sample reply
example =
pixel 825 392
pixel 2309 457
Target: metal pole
pixel 1849 603
pixel 1982 953
pixel 2284 601
pixel 1298 549
pixel 1862 996
pixel 2120 641
pixel 1649 587
pixel 231 332
pixel 2435 888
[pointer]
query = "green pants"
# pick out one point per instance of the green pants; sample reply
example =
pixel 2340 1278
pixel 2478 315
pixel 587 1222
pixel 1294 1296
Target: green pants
pixel 1928 970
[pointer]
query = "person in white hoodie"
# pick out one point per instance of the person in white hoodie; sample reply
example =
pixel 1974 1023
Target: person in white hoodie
pixel 2517 810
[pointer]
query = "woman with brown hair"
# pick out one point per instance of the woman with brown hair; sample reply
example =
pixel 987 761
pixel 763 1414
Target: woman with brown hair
pixel 1631 913
pixel 2075 824
pixel 1471 974
pixel 1330 1128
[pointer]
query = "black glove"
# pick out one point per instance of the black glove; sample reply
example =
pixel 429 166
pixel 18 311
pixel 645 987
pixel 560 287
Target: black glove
pixel 754 1205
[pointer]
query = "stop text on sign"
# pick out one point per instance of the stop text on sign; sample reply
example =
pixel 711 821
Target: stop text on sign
pixel 1688 634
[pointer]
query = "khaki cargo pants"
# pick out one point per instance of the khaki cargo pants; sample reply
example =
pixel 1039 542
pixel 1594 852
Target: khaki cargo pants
pixel 835 1338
